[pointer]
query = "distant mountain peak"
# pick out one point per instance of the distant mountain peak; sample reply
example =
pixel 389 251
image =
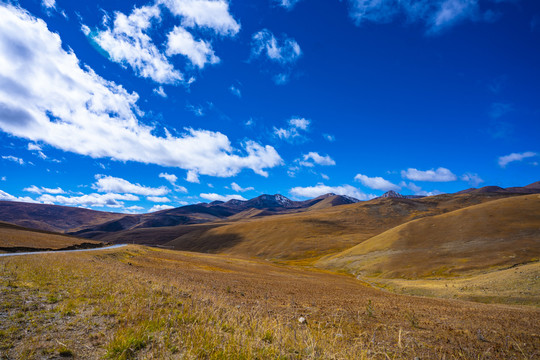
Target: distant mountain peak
pixel 392 194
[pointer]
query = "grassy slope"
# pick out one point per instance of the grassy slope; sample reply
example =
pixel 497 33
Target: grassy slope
pixel 164 304
pixel 496 234
pixel 315 233
pixel 16 236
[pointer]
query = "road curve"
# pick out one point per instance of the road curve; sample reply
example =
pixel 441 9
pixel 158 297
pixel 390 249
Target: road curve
pixel 63 251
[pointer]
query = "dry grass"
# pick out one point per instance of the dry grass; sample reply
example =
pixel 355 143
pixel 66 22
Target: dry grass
pixel 472 240
pixel 145 303
pixel 12 236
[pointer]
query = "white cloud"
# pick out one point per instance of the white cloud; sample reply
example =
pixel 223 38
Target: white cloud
pixel 46 96
pixel 435 14
pixel 321 189
pixel 299 123
pixel 439 175
pixel 325 177
pixel 284 52
pixel 288 4
pixel 292 132
pixel 418 190
pixel 159 91
pixel 472 179
pixel 238 188
pixel 43 190
pixel 172 179
pixel 3 178
pixel 126 42
pixel 34 147
pixel 192 177
pixel 318 159
pixel 329 137
pixel 235 91
pixel 11 157
pixel 112 184
pixel 196 110
pixel 211 14
pixel 160 207
pixel 217 197
pixel 199 52
pixel 377 183
pixel 505 160
pixel 98 200
pixel 8 197
pixel 169 177
pixel 158 199
pixel 49 4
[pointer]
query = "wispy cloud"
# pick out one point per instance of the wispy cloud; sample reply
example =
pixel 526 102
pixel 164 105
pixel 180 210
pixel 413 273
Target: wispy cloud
pixel 507 159
pixel 436 15
pixel 11 157
pixel 217 197
pixel 439 175
pixel 288 4
pixel 158 199
pixel 292 132
pixel 321 189
pixel 160 91
pixel 376 183
pixel 238 188
pixel 171 178
pixel 283 52
pixel 472 179
pixel 235 91
pixel 43 190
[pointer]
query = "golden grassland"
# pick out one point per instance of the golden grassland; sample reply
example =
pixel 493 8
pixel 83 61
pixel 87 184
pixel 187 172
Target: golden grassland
pixel 469 241
pixel 16 236
pixel 319 231
pixel 144 303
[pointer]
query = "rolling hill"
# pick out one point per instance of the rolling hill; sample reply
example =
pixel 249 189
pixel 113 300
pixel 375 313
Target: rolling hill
pixel 493 235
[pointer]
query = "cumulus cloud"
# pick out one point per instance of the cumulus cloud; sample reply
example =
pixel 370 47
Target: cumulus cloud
pixel 111 200
pixel 329 137
pixel 127 42
pixel 292 132
pixel 238 188
pixel 46 96
pixel 472 179
pixel 43 190
pixel 439 175
pixel 8 197
pixel 217 197
pixel 199 52
pixel 321 189
pixel 192 177
pixel 376 183
pixel 317 159
pixel 158 199
pixel 505 160
pixel 284 51
pixel 210 14
pixel 11 157
pixel 160 207
pixel 435 14
pixel 112 184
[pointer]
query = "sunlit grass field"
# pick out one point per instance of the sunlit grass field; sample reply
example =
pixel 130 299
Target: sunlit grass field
pixel 143 303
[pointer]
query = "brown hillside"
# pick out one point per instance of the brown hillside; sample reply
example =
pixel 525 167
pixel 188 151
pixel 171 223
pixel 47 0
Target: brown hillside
pixel 317 232
pixel 13 236
pixel 492 235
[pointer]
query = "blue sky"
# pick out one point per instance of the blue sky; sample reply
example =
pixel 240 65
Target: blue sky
pixel 135 106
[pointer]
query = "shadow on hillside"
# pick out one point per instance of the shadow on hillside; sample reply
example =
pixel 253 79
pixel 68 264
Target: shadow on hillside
pixel 205 242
